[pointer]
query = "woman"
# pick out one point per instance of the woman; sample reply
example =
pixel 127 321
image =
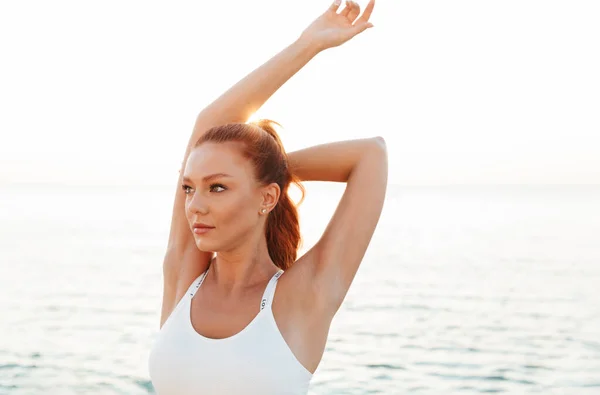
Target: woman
pixel 240 314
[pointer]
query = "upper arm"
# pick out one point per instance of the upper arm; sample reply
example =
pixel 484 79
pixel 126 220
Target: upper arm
pixel 179 270
pixel 335 258
pixel 183 258
pixel 170 277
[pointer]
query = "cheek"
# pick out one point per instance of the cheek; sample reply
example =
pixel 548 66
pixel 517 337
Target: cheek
pixel 236 213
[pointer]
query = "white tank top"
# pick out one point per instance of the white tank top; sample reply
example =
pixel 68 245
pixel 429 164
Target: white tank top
pixel 256 360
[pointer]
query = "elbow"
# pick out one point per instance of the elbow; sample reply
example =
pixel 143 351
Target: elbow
pixel 380 150
pixel 376 151
pixel 379 143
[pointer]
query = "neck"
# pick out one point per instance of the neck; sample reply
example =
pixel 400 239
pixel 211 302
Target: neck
pixel 236 271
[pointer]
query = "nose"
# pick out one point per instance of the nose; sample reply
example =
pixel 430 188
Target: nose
pixel 197 204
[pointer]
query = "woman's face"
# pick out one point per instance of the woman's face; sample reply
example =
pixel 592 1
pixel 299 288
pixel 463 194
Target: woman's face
pixel 221 191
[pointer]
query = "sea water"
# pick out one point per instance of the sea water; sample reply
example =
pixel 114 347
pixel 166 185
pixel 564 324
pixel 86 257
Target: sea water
pixel 463 290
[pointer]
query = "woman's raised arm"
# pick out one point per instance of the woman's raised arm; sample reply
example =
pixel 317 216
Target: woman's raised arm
pixel 245 97
pixel 183 260
pixel 330 29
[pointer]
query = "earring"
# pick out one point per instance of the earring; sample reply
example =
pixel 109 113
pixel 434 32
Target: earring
pixel 264 210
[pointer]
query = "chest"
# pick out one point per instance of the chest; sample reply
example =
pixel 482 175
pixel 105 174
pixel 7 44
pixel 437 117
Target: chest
pixel 304 335
pixel 214 318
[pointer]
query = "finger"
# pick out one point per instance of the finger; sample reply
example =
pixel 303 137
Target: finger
pixel 335 6
pixel 354 11
pixel 361 27
pixel 367 13
pixel 346 9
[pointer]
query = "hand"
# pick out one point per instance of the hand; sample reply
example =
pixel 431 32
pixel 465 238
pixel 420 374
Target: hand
pixel 332 29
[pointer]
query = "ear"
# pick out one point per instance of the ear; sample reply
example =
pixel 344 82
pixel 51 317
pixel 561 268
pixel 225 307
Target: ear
pixel 270 196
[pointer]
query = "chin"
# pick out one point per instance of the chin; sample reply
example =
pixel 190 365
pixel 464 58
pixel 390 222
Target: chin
pixel 204 246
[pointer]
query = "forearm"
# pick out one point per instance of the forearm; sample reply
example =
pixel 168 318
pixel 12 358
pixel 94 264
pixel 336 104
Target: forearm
pixel 330 162
pixel 244 98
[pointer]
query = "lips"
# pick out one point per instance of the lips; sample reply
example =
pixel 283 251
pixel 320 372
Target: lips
pixel 201 225
pixel 200 228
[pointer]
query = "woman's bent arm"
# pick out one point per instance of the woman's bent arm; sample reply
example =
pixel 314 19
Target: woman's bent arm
pixel 334 260
pixel 328 162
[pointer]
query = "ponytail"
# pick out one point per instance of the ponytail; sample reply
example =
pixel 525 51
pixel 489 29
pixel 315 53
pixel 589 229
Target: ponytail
pixel 283 226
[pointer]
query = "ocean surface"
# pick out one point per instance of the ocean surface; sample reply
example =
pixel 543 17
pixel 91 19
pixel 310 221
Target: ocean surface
pixel 463 290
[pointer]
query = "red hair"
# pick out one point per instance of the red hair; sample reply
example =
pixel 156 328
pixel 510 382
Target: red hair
pixel 263 147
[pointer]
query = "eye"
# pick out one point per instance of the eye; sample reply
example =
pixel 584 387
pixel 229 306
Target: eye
pixel 186 188
pixel 217 186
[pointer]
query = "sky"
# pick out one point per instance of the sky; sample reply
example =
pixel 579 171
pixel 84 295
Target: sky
pixel 464 92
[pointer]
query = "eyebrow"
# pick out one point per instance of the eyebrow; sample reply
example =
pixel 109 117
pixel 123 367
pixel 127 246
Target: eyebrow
pixel 207 178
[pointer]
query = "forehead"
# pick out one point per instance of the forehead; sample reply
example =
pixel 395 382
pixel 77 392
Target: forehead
pixel 210 158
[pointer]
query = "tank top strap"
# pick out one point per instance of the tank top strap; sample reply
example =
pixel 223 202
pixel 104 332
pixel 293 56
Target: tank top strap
pixel 196 284
pixel 269 291
pixel 199 280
